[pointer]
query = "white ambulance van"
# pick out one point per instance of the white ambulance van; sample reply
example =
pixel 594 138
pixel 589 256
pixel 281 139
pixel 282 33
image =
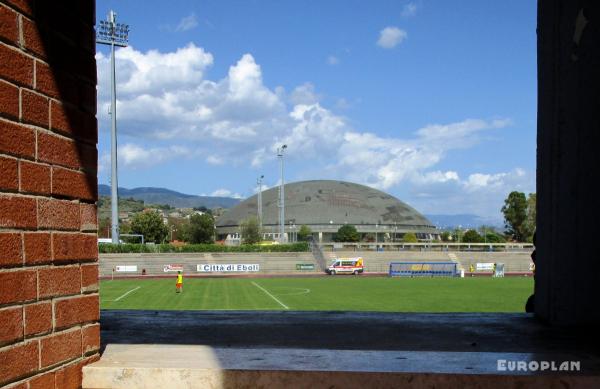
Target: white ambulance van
pixel 346 266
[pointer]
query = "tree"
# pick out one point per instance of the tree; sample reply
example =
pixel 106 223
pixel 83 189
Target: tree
pixel 304 233
pixel 530 223
pixel 457 235
pixel 104 227
pixel 250 231
pixel 445 236
pixel 201 229
pixel 472 236
pixel 410 237
pixel 149 224
pixel 346 233
pixel 493 237
pixel 515 216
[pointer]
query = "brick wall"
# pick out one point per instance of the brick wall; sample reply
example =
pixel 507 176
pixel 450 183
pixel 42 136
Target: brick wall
pixel 49 304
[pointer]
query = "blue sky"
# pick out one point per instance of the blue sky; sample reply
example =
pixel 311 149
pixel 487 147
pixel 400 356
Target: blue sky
pixel 431 101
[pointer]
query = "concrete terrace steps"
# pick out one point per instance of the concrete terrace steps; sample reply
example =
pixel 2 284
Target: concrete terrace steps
pixel 193 366
pixel 215 349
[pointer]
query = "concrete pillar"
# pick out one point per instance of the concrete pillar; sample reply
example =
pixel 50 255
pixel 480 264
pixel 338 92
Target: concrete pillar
pixel 568 164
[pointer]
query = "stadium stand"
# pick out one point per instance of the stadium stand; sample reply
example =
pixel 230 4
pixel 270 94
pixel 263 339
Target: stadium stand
pixel 378 261
pixel 276 263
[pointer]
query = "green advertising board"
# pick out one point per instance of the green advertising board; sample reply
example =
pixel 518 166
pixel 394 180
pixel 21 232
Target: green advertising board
pixel 305 266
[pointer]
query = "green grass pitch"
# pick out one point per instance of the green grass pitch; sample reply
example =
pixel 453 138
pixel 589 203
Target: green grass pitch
pixel 341 293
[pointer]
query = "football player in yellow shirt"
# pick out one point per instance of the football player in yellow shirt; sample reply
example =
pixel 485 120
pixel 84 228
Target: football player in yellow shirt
pixel 179 284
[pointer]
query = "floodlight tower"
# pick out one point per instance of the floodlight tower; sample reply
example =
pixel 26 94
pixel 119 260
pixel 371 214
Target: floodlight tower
pixel 111 33
pixel 280 151
pixel 259 182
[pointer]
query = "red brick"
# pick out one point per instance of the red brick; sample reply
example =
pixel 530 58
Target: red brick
pixel 58 214
pixel 60 347
pixel 38 318
pixel 9 177
pixel 72 122
pixel 59 281
pixel 17 286
pixel 35 178
pixel 11 250
pixel 9 27
pixel 87 101
pixel 69 377
pixel 89 217
pixel 76 310
pixel 17 140
pixel 74 184
pixel 22 385
pixel 11 329
pixel 17 212
pixel 89 277
pixel 38 248
pixel 90 338
pixel 18 361
pixel 24 6
pixel 65 152
pixel 34 108
pixel 45 381
pixel 74 247
pixel 32 38
pixel 46 81
pixel 9 100
pixel 16 66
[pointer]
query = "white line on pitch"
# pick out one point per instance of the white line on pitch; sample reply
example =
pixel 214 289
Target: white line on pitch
pixel 270 295
pixel 132 290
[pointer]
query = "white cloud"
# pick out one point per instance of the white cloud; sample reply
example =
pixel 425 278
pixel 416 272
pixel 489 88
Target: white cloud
pixel 166 98
pixel 215 160
pixel 342 104
pixel 187 23
pixel 238 120
pixel 304 94
pixel 390 37
pixel 134 156
pixel 225 193
pixel 409 9
pixel 153 73
pixel 333 60
pixel 481 194
pixel 385 162
pixel 436 177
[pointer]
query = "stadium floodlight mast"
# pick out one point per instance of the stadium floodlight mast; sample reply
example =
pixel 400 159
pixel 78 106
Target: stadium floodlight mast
pixel 280 151
pixel 111 33
pixel 259 210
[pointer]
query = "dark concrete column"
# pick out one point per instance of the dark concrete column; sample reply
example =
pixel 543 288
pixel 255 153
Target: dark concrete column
pixel 568 164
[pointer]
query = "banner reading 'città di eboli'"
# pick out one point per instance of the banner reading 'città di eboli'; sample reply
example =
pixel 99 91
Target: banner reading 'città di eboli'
pixel 223 268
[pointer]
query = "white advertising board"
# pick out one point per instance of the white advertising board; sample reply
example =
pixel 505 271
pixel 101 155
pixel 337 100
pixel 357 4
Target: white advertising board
pixel 226 268
pixel 126 268
pixel 172 267
pixel 485 266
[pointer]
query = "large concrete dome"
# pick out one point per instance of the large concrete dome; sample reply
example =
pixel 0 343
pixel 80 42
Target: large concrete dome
pixel 325 205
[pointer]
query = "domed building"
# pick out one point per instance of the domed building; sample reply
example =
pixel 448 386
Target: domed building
pixel 325 206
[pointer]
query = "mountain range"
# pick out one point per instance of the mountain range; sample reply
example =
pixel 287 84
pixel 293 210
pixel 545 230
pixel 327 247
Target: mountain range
pixel 463 221
pixel 166 196
pixel 152 195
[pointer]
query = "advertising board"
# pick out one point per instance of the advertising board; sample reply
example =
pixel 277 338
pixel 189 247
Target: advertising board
pixel 126 268
pixel 227 268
